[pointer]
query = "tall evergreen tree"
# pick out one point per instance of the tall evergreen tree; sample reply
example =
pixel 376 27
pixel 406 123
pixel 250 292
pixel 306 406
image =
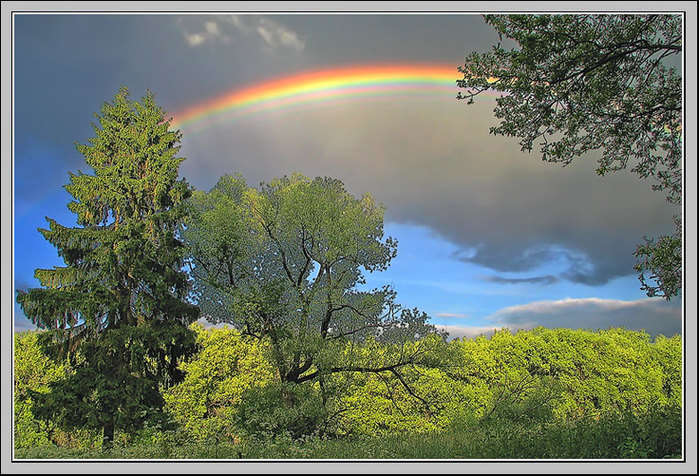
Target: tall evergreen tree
pixel 118 308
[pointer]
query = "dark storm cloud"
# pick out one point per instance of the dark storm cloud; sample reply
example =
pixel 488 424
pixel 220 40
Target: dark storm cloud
pixel 585 262
pixel 434 164
pixel 430 163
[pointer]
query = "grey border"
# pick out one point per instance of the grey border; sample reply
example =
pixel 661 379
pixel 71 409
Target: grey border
pixel 689 465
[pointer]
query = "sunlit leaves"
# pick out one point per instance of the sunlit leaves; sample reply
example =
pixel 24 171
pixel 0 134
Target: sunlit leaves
pixel 227 365
pixel 543 378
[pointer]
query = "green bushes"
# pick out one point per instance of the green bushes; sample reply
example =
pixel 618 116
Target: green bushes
pixel 227 366
pixel 589 373
pixel 280 409
pixel 544 393
pixel 612 437
pixel 34 372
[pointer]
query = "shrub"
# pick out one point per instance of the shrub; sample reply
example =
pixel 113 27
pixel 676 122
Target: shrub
pixel 278 410
pixel 227 365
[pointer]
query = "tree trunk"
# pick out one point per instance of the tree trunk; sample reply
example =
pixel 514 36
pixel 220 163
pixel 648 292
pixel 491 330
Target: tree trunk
pixel 108 436
pixel 287 395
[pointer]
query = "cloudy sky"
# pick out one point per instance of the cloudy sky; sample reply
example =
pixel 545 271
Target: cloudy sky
pixel 488 236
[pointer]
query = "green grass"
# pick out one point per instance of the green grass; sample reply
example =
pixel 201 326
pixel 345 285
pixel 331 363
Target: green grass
pixel 657 435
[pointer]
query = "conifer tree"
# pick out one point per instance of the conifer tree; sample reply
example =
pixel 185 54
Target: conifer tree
pixel 118 308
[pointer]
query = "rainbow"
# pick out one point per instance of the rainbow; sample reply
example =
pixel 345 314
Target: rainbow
pixel 323 86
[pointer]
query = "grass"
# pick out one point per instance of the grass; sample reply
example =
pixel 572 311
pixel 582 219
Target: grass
pixel 657 435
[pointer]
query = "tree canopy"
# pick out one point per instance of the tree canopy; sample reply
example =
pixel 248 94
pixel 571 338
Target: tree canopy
pixel 285 263
pixel 574 84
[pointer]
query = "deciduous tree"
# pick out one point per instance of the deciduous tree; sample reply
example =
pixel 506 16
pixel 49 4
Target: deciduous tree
pixel 285 263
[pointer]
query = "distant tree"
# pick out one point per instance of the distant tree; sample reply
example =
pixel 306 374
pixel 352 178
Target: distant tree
pixel 118 308
pixel 285 264
pixel 580 83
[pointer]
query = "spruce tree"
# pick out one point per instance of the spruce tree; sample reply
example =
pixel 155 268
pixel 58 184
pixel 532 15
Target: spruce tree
pixel 118 308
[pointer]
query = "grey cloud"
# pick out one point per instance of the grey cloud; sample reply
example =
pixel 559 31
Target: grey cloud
pixel 433 163
pixel 655 315
pixel 467 332
pixel 510 259
pixel 580 265
pixel 546 280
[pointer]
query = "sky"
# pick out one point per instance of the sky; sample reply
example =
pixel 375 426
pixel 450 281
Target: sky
pixel 488 236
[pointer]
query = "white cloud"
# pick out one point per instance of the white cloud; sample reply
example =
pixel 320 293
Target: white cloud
pixel 212 28
pixel 451 315
pixel 194 39
pixel 274 34
pixel 654 315
pixel 207 33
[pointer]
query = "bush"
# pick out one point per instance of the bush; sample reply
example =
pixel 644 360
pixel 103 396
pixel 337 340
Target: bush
pixel 227 365
pixel 278 410
pixel 545 393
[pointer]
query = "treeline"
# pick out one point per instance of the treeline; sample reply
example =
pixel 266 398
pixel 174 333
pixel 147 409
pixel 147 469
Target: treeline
pixel 542 378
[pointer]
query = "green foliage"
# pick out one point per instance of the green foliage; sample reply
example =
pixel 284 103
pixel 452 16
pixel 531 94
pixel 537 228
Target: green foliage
pixel 544 393
pixel 662 258
pixel 575 372
pixel 119 307
pixel 116 382
pixel 285 264
pixel 33 372
pixel 416 399
pixel 34 376
pixel 226 367
pixel 654 435
pixel 667 353
pixel 123 261
pixel 581 83
pixel 280 410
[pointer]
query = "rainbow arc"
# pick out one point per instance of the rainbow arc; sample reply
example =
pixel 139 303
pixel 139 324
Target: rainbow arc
pixel 327 86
